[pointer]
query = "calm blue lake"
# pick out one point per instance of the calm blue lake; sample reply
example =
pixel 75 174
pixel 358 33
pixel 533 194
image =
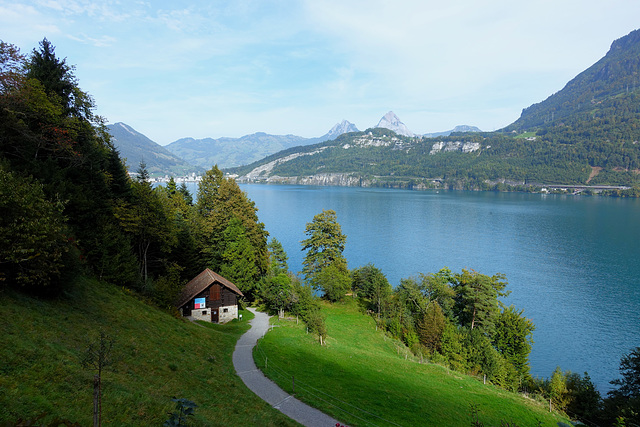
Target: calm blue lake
pixel 572 262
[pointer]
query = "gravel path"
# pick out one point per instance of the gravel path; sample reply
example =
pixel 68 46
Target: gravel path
pixel 266 389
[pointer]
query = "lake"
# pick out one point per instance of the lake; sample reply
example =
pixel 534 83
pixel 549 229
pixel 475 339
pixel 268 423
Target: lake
pixel 572 262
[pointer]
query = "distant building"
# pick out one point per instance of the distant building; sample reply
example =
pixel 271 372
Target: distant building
pixel 209 297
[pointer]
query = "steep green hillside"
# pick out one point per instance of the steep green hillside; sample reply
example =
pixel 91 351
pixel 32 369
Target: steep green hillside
pixel 156 356
pixel 363 378
pixel 599 91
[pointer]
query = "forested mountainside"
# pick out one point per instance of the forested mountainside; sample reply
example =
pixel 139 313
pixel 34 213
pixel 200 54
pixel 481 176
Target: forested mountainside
pixel 136 148
pixel 588 133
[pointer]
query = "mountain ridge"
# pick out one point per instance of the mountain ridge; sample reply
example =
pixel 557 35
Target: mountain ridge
pixel 587 134
pixel 135 148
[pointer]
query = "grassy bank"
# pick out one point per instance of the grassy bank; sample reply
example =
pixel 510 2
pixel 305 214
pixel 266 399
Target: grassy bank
pixel 157 357
pixel 364 378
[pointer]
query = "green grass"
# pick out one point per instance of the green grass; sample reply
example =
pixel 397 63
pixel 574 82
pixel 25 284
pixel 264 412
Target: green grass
pixel 360 369
pixel 525 135
pixel 158 357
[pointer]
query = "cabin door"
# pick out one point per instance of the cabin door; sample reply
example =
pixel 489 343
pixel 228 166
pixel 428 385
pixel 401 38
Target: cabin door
pixel 215 314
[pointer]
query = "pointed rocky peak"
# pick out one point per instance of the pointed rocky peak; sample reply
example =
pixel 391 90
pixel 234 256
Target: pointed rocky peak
pixel 392 122
pixel 344 126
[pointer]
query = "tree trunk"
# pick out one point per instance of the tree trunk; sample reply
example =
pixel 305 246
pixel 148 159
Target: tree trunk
pixel 96 400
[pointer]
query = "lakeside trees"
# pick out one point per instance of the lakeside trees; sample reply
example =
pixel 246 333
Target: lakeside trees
pixel 325 268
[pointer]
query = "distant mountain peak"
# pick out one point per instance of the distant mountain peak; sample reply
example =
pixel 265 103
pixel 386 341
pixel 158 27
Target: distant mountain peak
pixel 344 126
pixel 392 122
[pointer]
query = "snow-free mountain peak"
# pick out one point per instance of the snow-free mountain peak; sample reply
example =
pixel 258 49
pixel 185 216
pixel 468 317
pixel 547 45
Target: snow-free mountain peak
pixel 392 122
pixel 344 126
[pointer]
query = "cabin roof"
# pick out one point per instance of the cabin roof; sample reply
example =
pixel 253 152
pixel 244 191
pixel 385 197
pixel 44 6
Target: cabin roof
pixel 201 282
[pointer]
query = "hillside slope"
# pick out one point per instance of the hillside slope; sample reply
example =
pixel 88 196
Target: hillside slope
pixel 156 356
pixel 134 148
pixel 600 90
pixel 365 378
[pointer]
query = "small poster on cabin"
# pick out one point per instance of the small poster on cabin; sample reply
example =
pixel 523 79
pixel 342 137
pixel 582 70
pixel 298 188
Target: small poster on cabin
pixel 199 303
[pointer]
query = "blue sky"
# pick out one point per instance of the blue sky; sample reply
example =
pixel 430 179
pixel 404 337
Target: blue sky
pixel 173 69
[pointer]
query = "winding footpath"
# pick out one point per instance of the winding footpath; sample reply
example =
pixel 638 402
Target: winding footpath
pixel 266 389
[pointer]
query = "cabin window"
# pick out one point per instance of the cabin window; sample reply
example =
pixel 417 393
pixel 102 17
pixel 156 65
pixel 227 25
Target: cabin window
pixel 204 312
pixel 226 310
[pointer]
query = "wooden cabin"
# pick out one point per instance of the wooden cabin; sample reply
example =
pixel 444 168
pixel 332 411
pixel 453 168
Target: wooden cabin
pixel 209 297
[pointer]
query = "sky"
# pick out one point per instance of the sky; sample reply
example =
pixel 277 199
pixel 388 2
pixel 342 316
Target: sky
pixel 214 68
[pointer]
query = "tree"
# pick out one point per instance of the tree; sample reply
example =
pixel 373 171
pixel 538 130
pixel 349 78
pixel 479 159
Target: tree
pixel 186 194
pixel 623 402
pixel 277 293
pixel 476 301
pixel 629 384
pixel 98 356
pixel 238 257
pixel 143 173
pixel 370 284
pixel 585 400
pixel 437 287
pixel 11 68
pixel 278 257
pixel 149 224
pixel 431 326
pixel 317 325
pixel 58 81
pixel 513 338
pixel 324 245
pixel 557 389
pixel 32 233
pixel 334 280
pixel 219 200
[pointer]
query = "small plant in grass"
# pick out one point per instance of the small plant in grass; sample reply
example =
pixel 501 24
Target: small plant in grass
pixel 97 357
pixel 317 325
pixel 179 417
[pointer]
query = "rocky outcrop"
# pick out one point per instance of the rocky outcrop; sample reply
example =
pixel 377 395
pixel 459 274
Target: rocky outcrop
pixel 465 147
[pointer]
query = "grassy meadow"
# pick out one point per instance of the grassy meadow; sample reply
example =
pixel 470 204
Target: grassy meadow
pixel 156 357
pixel 364 378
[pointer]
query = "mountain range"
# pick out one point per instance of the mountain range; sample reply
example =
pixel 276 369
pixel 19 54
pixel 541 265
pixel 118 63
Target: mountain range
pixel 587 133
pixel 135 148
pixel 229 152
pixel 190 155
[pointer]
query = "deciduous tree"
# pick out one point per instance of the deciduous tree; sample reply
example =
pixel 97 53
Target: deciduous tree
pixel 513 338
pixel 371 285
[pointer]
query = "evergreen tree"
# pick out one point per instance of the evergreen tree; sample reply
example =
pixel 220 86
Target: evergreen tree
pixel 278 257
pixel 238 258
pixel 476 302
pixel 219 200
